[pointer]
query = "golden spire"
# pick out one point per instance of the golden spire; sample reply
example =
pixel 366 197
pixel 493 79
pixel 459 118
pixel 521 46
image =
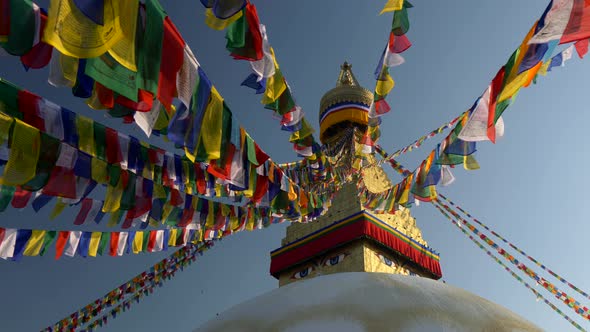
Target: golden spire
pixel 346 77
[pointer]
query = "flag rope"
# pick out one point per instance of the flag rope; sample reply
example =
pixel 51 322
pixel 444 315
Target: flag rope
pixel 558 277
pixel 509 270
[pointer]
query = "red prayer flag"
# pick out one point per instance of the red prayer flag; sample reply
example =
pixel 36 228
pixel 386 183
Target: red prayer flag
pixel 20 198
pixel 382 107
pixel 4 18
pixel 40 55
pixel 578 26
pixel 175 197
pixel 144 102
pixel 172 56
pixel 261 188
pixel 84 210
pixel 261 156
pixel 581 47
pixel 105 95
pixel 60 244
pixel 496 88
pixel 28 104
pixel 152 241
pixel 113 149
pixel 114 244
pixel 62 183
pixel 398 44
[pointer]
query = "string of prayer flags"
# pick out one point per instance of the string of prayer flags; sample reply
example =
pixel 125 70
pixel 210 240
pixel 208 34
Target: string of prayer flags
pixel 247 39
pixel 397 43
pixel 542 266
pixel 154 275
pixel 128 156
pixel 560 295
pixel 482 122
pixel 512 273
pixel 566 21
pixel 17 243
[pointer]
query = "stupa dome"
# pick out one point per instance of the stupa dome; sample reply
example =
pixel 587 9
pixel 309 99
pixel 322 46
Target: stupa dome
pixel 368 302
pixel 348 103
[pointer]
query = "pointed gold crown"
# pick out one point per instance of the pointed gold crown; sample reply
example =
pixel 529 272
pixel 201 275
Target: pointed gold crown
pixel 345 105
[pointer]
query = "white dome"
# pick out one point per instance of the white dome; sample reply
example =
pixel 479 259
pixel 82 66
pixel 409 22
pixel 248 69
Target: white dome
pixel 363 302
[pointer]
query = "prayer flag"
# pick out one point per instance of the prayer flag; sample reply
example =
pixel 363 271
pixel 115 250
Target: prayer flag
pixel 392 5
pixel 66 23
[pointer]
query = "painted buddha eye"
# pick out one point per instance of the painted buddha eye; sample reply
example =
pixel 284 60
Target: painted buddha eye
pixel 303 273
pixel 386 260
pixel 334 260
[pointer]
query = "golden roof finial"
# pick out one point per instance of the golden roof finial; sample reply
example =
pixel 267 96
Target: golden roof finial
pixel 346 77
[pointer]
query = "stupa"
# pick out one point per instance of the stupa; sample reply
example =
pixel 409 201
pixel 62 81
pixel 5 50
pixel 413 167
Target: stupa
pixel 356 270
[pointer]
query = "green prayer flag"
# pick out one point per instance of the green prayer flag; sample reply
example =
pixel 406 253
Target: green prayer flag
pixel 115 218
pixel 151 50
pixel 128 198
pixel 146 239
pixel 105 241
pixel 401 23
pixel 22 27
pixel 6 193
pixel 108 72
pixel 99 140
pixel 236 33
pixel 9 99
pixel 283 104
pixel 114 172
pixel 47 241
pixel 48 155
pixel 251 149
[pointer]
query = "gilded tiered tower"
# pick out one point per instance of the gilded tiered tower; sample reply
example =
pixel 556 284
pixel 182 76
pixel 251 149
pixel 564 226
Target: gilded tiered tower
pixel 350 238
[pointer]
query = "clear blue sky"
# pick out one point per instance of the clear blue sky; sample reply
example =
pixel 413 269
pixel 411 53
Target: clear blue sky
pixel 530 188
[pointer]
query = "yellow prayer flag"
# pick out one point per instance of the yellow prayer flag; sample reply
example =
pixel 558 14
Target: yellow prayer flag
pixel 172 238
pixel 305 131
pixel 406 190
pixel 138 242
pixel 74 34
pixel 85 128
pixel 113 197
pixel 159 191
pixel 69 68
pixel 210 221
pixel 544 68
pixel 35 243
pixel 114 218
pixel 218 23
pixel 94 243
pixel 94 102
pixel 234 223
pixel 292 194
pixel 522 79
pixel 24 155
pixel 469 163
pixel 57 209
pixel 5 123
pixel 384 84
pixel 275 86
pixel 211 128
pixel 192 157
pixel 392 5
pixel 250 222
pixel 167 210
pixel 124 50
